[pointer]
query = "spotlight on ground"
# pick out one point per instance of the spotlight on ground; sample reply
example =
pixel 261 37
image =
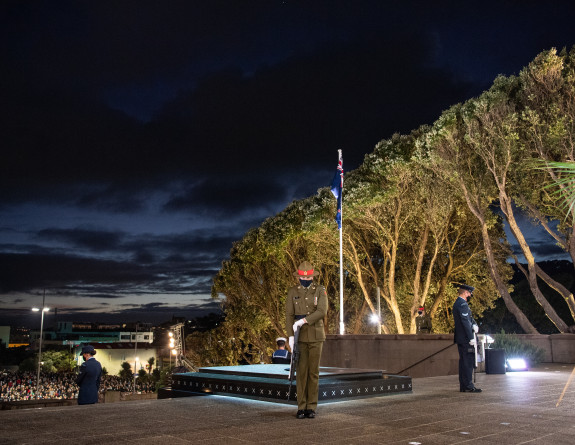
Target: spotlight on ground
pixel 516 364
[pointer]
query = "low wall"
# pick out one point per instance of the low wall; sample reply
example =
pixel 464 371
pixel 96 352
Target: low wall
pixel 132 396
pixel 423 355
pixel 117 396
pixel 42 403
pixel 107 397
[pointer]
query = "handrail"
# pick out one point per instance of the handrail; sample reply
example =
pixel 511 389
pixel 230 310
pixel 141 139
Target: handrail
pixel 424 359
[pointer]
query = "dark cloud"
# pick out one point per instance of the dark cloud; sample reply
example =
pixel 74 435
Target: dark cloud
pixel 543 249
pixel 23 272
pixel 92 240
pixel 102 296
pixel 150 313
pixel 161 263
pixel 229 196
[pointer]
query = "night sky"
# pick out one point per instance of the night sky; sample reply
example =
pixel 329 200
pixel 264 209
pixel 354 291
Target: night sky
pixel 141 138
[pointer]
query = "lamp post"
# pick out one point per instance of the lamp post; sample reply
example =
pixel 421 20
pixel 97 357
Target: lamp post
pixel 376 317
pixel 136 359
pixel 43 310
pixel 174 353
pixel 135 356
pixel 378 310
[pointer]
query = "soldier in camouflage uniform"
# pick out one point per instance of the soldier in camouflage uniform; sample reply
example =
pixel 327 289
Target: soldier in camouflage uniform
pixel 306 308
pixel 422 322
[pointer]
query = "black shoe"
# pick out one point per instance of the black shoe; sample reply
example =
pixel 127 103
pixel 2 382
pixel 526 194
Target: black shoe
pixel 300 414
pixel 472 390
pixel 310 413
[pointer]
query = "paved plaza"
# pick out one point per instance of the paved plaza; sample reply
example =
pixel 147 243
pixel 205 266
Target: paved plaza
pixel 514 408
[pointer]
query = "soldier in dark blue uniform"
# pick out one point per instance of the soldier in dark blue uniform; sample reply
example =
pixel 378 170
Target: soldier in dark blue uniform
pixel 281 355
pixel 465 329
pixel 89 378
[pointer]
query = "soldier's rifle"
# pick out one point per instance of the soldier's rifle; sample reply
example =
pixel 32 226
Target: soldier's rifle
pixel 294 360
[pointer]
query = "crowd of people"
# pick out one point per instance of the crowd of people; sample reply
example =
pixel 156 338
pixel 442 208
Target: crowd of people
pixel 19 386
pixel 115 383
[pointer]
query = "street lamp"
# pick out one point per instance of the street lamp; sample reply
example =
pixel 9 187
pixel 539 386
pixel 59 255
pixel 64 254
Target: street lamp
pixel 376 320
pixel 44 309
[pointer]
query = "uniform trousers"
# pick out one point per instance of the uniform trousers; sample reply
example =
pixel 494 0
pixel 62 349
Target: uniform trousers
pixel 307 374
pixel 466 365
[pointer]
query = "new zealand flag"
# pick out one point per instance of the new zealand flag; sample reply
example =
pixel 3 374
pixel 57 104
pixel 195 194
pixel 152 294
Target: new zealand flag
pixel 337 187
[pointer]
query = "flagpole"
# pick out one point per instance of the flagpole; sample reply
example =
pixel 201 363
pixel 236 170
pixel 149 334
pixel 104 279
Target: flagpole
pixel 337 190
pixel 341 325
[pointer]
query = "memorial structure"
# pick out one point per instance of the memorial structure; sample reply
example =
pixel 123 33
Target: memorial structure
pixel 270 383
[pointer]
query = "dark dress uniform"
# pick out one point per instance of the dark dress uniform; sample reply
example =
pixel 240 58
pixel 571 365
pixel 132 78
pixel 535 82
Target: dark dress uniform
pixel 89 381
pixel 309 303
pixel 281 356
pixel 463 335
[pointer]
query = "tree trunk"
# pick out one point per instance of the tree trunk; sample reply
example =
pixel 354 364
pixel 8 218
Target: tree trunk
pixel 417 279
pixel 394 307
pixel 501 287
pixel 567 243
pixel 532 274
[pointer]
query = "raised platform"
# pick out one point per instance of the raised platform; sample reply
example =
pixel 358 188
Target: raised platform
pixel 270 383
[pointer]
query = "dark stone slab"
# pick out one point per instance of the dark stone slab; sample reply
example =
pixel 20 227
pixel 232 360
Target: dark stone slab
pixel 270 383
pixel 282 371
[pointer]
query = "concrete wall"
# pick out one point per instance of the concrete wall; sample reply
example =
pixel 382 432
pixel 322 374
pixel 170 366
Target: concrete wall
pixel 423 355
pixel 117 396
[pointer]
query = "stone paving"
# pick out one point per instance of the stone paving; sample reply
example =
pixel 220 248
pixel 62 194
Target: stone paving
pixel 514 408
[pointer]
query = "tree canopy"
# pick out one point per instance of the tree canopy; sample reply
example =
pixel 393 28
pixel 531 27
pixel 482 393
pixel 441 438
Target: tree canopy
pixel 424 212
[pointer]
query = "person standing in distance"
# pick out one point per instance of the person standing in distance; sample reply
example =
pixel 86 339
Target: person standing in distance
pixel 89 378
pixel 306 308
pixel 422 322
pixel 465 329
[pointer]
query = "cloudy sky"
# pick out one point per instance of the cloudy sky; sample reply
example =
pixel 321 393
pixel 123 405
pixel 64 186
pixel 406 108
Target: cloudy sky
pixel 140 138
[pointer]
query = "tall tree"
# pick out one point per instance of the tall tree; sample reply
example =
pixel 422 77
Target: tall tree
pixel 547 128
pixel 477 186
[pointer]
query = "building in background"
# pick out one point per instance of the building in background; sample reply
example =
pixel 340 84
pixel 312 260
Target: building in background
pixel 112 355
pixel 75 334
pixel 114 343
pixel 4 336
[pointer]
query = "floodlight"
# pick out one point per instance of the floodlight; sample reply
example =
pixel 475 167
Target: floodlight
pixel 516 364
pixel 374 318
